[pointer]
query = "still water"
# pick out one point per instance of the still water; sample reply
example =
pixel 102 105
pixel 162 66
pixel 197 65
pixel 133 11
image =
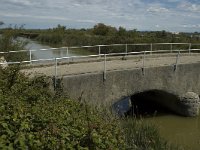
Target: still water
pixel 57 53
pixel 178 130
pixel 183 131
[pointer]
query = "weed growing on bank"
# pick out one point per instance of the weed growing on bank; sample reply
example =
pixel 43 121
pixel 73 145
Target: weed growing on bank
pixel 144 136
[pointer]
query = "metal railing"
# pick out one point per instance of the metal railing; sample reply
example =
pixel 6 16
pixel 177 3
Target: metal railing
pixel 104 51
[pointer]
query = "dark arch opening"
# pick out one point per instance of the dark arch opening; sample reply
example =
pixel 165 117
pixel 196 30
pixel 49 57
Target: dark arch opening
pixel 148 103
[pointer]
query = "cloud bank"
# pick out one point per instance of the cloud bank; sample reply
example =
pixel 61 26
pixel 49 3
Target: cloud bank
pixel 170 15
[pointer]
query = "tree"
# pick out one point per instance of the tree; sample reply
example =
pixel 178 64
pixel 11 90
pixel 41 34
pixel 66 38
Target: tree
pixel 102 29
pixel 121 31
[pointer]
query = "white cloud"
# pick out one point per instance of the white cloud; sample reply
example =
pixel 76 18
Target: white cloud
pixel 157 26
pixel 21 2
pixel 188 6
pixel 140 14
pixel 157 10
pixel 174 1
pixel 191 26
pixel 14 15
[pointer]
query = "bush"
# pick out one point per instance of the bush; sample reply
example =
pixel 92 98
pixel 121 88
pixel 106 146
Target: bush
pixel 31 118
pixel 10 42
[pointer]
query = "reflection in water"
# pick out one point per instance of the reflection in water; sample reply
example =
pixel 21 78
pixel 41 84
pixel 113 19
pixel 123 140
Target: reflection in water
pixel 57 53
pixel 183 131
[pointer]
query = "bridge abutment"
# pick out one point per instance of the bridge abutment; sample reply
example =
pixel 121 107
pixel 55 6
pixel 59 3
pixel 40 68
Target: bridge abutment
pixel 189 104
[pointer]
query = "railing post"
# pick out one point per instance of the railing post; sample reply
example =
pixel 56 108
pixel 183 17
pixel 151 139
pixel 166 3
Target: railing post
pixel 68 55
pixel 171 47
pixel 190 45
pixel 99 51
pixel 67 52
pixel 126 49
pixel 177 59
pixel 104 73
pixel 30 53
pixel 143 63
pixel 56 72
pixel 151 47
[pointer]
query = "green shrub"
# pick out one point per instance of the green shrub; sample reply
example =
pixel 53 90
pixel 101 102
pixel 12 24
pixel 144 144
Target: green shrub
pixel 10 42
pixel 31 118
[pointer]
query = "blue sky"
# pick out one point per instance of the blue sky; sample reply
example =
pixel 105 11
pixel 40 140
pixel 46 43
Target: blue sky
pixel 169 15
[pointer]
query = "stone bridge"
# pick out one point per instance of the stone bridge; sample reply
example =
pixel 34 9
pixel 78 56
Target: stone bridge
pixel 171 82
pixel 179 84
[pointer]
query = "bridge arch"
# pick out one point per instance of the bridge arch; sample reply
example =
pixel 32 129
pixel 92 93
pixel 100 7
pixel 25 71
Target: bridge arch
pixel 151 102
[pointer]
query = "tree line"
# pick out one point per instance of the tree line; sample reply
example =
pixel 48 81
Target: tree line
pixel 101 34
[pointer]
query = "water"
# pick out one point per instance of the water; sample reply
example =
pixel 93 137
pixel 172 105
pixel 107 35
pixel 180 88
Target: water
pixel 57 53
pixel 183 131
pixel 178 130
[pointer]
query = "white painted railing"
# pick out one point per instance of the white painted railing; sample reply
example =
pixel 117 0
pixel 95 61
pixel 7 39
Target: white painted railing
pixel 125 49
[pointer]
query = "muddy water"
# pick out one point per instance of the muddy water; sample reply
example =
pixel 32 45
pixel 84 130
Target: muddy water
pixel 183 131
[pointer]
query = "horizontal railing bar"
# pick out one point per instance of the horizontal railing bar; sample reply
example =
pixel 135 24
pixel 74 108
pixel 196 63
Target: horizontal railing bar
pixel 109 54
pixel 166 51
pixel 91 56
pixel 113 54
pixel 14 51
pixel 135 52
pixel 194 49
pixel 140 44
pixel 75 47
pixel 42 59
pixel 78 57
pixel 171 43
pixel 195 43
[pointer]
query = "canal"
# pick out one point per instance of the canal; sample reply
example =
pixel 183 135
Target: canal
pixel 183 131
pixel 52 53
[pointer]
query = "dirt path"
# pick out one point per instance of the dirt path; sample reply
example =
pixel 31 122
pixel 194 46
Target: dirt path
pixel 113 64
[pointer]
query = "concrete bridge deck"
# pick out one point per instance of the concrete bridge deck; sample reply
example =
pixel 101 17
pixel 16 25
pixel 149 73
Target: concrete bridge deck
pixel 96 65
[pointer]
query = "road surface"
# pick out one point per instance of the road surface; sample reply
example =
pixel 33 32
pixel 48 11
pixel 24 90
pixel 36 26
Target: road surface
pixel 96 65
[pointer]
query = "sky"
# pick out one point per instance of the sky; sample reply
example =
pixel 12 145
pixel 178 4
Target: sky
pixel 143 15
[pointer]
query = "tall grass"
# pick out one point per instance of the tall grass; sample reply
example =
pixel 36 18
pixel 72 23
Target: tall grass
pixel 144 136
